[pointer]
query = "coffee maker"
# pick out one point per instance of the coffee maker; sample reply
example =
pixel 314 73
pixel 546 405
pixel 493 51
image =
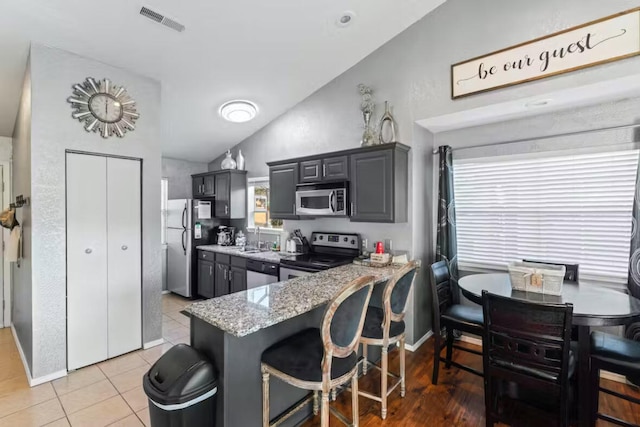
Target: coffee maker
pixel 225 235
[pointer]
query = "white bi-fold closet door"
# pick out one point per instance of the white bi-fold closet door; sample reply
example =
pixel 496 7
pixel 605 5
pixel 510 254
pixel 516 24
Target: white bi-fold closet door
pixel 104 292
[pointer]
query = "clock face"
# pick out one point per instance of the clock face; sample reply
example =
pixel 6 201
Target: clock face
pixel 104 108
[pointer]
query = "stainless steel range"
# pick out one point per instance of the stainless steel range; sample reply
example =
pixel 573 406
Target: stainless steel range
pixel 327 250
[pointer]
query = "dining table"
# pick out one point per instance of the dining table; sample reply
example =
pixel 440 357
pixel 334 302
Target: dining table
pixel 593 306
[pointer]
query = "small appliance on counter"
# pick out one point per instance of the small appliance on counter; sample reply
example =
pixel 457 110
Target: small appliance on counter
pixel 327 250
pixel 225 236
pixel 241 239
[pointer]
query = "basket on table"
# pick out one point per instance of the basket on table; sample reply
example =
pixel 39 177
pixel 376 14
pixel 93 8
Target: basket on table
pixel 537 277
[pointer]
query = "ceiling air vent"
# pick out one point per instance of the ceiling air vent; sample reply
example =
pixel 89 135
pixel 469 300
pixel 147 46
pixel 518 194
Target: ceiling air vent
pixel 161 19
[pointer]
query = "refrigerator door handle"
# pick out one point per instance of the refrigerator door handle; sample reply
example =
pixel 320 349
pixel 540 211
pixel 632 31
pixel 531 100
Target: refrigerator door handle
pixel 184 246
pixel 184 217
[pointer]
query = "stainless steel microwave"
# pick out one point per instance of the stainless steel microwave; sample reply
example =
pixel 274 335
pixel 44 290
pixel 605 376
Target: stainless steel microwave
pixel 314 201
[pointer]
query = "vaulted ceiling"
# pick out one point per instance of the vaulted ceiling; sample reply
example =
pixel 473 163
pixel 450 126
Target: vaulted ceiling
pixel 275 53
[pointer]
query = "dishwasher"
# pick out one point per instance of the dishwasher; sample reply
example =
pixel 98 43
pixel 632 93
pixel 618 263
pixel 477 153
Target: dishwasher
pixel 260 273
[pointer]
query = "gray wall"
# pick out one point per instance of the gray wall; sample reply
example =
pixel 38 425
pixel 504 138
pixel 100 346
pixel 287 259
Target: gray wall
pixel 178 173
pixel 21 292
pixel 53 73
pixel 412 71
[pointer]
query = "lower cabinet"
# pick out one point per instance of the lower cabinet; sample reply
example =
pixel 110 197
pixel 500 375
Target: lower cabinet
pixel 223 276
pixel 206 278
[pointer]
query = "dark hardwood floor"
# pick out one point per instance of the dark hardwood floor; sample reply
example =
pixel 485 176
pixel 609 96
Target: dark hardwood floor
pixel 457 400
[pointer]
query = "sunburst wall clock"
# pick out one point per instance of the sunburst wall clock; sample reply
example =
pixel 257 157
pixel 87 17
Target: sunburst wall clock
pixel 103 107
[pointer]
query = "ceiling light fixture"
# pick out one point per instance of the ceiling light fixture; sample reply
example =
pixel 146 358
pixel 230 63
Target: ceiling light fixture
pixel 238 111
pixel 345 19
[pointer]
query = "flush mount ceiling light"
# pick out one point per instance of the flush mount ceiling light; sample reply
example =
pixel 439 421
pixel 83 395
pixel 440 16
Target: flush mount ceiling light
pixel 238 111
pixel 345 19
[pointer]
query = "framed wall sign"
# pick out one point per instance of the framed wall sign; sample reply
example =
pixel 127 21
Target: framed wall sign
pixel 608 39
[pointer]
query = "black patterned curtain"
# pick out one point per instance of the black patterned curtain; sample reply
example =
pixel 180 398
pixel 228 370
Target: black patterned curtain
pixel 446 243
pixel 633 280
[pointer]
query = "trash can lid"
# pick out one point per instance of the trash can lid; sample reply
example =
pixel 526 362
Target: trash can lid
pixel 180 375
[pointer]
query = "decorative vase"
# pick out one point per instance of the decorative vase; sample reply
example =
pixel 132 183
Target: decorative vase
pixel 240 160
pixel 387 132
pixel 368 137
pixel 228 162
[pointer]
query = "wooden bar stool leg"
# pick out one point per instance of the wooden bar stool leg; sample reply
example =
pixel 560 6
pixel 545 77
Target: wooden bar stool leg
pixel 365 350
pixel 324 409
pixel 265 399
pixel 354 401
pixel 402 368
pixel 315 402
pixel 449 348
pixel 595 392
pixel 334 394
pixel 437 348
pixel 385 378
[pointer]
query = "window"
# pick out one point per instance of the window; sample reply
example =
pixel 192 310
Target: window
pixel 565 208
pixel 164 201
pixel 259 199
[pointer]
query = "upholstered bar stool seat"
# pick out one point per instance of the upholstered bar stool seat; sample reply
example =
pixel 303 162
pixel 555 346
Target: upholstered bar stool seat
pixel 300 356
pixel 384 327
pixel 471 315
pixel 614 354
pixel 319 360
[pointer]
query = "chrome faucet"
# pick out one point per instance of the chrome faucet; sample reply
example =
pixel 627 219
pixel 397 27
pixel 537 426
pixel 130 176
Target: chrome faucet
pixel 258 242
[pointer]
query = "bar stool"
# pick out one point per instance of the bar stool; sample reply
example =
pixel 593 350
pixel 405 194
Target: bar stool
pixel 384 327
pixel 617 355
pixel 321 359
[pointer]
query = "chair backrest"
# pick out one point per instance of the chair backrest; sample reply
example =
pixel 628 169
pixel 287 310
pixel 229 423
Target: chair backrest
pixel 571 273
pixel 344 319
pixel 527 343
pixel 442 291
pixel 396 292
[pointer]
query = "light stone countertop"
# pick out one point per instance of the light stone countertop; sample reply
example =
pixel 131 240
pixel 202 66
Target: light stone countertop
pixel 268 256
pixel 246 312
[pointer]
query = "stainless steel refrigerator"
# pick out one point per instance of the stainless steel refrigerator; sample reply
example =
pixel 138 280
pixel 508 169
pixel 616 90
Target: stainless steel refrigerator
pixel 188 226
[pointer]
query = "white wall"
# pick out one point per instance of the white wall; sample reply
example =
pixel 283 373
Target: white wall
pixel 22 293
pixel 178 173
pixel 53 131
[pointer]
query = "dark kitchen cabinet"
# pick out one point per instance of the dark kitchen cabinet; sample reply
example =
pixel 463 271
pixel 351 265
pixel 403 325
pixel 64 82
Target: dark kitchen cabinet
pixel 206 279
pixel 311 171
pixel 209 185
pixel 221 279
pixel 237 279
pixel 282 186
pixel 223 195
pixel 335 168
pixel 198 186
pixel 379 181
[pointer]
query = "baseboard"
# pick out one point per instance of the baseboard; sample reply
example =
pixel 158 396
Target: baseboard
pixel 34 381
pixel 151 344
pixel 417 344
pixel 166 291
pixel 603 374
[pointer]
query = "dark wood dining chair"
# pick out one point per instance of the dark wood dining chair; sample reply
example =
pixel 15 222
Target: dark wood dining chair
pixel 620 356
pixel 527 359
pixel 384 327
pixel 450 315
pixel 571 273
pixel 321 359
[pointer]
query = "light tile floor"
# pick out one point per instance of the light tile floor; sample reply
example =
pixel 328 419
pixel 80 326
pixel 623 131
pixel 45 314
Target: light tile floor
pixel 106 394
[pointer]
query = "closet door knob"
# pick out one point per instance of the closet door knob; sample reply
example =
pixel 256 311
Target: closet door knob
pixel 88 251
pixel 124 247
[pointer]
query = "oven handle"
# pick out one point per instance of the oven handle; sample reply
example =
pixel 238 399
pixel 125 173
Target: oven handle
pixel 298 268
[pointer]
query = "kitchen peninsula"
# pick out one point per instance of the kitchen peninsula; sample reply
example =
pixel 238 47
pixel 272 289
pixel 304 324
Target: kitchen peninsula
pixel 235 329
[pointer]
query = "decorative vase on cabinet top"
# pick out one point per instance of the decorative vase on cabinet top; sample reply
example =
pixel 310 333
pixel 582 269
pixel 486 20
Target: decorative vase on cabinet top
pixel 240 160
pixel 228 162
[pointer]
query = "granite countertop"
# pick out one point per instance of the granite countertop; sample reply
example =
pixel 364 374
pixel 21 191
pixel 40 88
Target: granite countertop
pixel 268 256
pixel 246 312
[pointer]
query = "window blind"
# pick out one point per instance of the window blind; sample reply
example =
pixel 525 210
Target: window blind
pixel 567 209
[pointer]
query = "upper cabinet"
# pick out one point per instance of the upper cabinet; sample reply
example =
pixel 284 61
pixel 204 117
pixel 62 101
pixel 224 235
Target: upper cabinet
pixel 283 179
pixel 227 189
pixel 377 176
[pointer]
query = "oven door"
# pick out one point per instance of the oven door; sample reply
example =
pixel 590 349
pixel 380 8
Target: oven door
pixel 288 272
pixel 316 202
